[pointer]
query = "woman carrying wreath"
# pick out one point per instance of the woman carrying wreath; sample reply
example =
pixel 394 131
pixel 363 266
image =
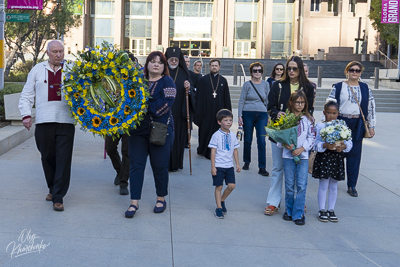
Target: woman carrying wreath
pixel 252 112
pixel 347 94
pixel 293 79
pixel 162 91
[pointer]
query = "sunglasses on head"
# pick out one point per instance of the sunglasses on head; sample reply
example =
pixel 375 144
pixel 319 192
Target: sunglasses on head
pixel 281 69
pixel 257 70
pixel 292 69
pixel 355 70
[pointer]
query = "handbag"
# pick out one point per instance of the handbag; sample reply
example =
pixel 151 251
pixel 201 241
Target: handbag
pixel 158 132
pixel 311 160
pixel 367 134
pixel 262 101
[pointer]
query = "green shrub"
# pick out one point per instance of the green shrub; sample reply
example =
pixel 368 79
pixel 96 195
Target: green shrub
pixel 11 88
pixel 20 71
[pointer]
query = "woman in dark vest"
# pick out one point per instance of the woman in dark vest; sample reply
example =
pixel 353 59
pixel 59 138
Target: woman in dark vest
pixel 162 91
pixel 349 111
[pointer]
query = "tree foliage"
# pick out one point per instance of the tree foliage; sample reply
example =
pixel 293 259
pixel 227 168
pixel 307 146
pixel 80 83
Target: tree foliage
pixel 53 21
pixel 388 32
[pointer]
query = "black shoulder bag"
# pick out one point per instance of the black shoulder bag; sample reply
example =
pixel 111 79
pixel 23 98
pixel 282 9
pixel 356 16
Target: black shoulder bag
pixel 262 101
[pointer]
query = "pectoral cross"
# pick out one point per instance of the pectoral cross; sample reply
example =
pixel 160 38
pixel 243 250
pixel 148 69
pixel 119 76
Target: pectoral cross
pixel 215 94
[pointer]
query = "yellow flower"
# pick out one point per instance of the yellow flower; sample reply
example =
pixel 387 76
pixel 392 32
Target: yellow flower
pixel 113 121
pixel 93 52
pixel 103 131
pixel 132 93
pixel 124 71
pixel 112 64
pixel 79 87
pixel 89 64
pixel 96 122
pixel 76 95
pixel 105 67
pixel 94 66
pixel 130 121
pixel 127 110
pixel 89 75
pixel 125 126
pixel 79 63
pixel 134 79
pixel 81 111
pixel 140 80
pixel 69 89
pixel 110 55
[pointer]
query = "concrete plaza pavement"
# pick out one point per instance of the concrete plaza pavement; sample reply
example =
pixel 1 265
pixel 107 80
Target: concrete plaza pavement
pixel 92 231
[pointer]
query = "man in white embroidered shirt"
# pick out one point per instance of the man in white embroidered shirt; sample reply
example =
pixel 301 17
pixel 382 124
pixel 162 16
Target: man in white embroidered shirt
pixel 55 130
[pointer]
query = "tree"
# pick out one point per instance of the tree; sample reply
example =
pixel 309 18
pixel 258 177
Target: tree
pixel 53 21
pixel 388 32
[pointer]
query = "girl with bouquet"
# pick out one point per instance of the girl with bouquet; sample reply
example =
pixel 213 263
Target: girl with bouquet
pixel 329 161
pixel 296 173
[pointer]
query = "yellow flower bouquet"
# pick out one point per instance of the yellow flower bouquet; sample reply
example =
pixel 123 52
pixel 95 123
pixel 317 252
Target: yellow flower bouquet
pixel 106 91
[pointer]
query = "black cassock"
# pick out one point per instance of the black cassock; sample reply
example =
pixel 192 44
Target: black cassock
pixel 180 117
pixel 207 107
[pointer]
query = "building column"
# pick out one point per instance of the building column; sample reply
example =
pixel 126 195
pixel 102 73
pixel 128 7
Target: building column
pixel 119 18
pixel 165 23
pixel 266 45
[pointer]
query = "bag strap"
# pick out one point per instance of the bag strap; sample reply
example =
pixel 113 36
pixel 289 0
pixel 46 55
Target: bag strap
pixel 262 101
pixel 362 114
pixel 169 117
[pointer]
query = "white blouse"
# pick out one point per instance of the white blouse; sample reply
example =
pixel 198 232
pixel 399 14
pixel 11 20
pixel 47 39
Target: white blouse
pixel 349 106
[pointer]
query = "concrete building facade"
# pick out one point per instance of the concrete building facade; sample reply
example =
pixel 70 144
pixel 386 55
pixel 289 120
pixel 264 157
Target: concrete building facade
pixel 227 28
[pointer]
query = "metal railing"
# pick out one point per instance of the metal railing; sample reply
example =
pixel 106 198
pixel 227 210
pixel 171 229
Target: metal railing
pixel 244 75
pixel 386 59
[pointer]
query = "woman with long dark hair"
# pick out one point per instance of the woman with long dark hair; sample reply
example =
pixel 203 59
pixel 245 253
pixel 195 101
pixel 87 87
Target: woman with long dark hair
pixel 354 96
pixel 294 79
pixel 162 91
pixel 276 74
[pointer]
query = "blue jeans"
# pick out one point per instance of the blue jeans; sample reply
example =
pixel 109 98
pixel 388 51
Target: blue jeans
pixel 258 120
pixel 295 175
pixel 275 189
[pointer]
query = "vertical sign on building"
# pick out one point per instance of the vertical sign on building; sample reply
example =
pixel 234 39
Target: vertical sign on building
pixel 25 4
pixel 390 11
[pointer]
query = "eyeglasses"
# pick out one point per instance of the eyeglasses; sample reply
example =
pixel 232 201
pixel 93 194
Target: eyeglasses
pixel 300 103
pixel 292 69
pixel 257 70
pixel 355 70
pixel 280 69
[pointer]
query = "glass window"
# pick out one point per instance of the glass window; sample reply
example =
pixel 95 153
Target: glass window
pixel 243 30
pixel 277 47
pixel 333 6
pixel 315 4
pixel 203 10
pixel 209 10
pixel 205 45
pixel 138 8
pixel 191 10
pixel 278 31
pixel 352 5
pixel 243 12
pixel 101 27
pixel 104 7
pixel 179 9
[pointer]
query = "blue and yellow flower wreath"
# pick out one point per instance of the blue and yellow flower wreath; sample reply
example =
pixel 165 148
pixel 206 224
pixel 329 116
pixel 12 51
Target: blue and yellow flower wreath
pixel 105 91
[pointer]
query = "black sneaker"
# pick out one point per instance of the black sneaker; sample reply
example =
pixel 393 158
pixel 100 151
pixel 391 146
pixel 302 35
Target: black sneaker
pixel 301 221
pixel 218 213
pixel 332 216
pixel 263 172
pixel 286 217
pixel 323 216
pixel 116 180
pixel 223 207
pixel 246 166
pixel 123 190
pixel 352 191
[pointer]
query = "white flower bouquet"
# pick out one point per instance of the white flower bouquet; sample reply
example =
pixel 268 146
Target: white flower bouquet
pixel 335 132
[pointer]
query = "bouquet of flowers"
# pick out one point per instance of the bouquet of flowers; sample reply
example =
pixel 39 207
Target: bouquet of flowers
pixel 335 132
pixel 105 91
pixel 284 130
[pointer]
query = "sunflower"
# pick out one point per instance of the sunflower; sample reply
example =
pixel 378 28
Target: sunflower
pixel 127 110
pixel 76 95
pixel 81 111
pixel 96 122
pixel 113 121
pixel 132 93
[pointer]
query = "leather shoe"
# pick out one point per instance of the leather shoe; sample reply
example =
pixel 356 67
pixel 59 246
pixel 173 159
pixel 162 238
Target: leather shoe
pixel 263 172
pixel 286 217
pixel 352 191
pixel 49 197
pixel 123 190
pixel 58 207
pixel 246 166
pixel 301 221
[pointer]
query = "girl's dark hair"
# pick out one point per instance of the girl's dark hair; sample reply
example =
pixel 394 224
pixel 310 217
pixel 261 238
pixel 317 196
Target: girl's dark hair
pixel 292 99
pixel 223 113
pixel 331 102
pixel 273 70
pixel 302 75
pixel 255 64
pixel 163 60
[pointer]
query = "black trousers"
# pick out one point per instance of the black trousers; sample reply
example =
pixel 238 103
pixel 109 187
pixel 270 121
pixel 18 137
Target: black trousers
pixel 55 143
pixel 121 167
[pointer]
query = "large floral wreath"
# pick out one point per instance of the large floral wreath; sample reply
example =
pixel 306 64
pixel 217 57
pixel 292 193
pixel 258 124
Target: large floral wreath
pixel 106 91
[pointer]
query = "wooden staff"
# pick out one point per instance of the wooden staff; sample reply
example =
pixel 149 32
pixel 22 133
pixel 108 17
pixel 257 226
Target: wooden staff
pixel 188 126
